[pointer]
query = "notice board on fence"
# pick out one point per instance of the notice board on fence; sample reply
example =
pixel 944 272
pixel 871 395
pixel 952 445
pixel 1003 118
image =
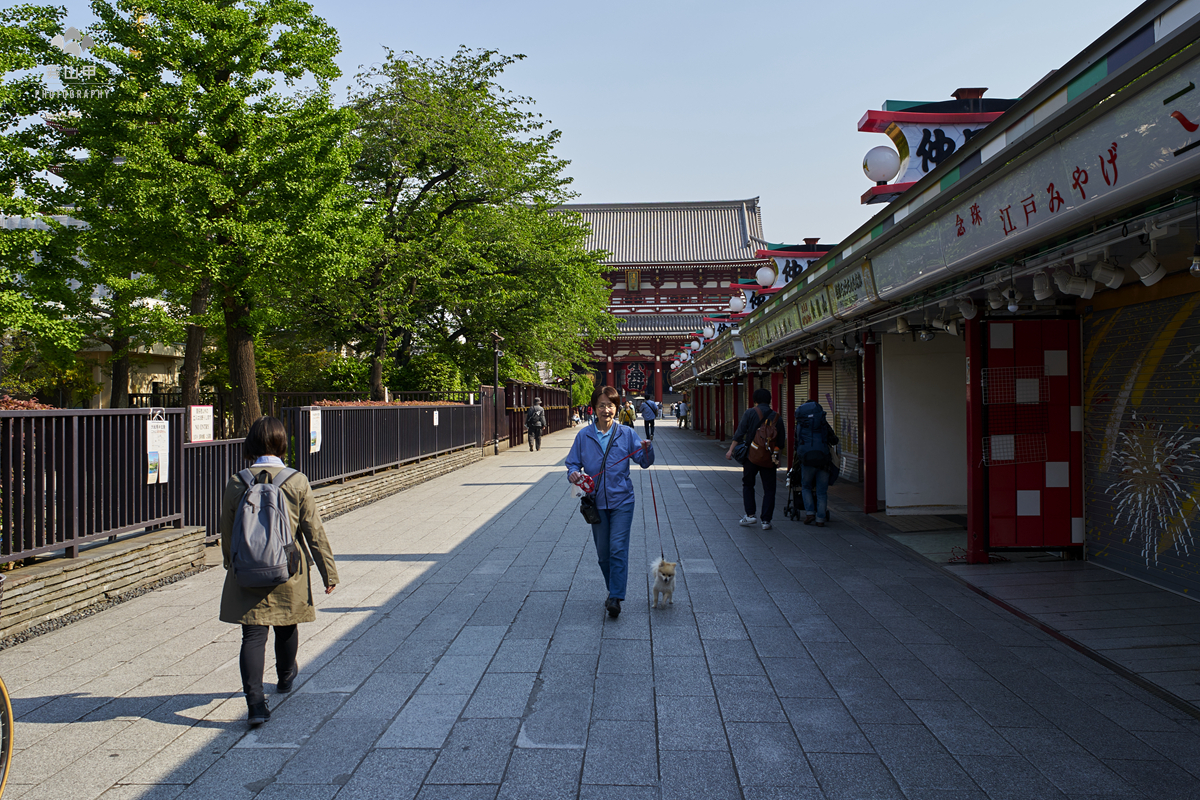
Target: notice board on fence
pixel 314 430
pixel 158 449
pixel 200 423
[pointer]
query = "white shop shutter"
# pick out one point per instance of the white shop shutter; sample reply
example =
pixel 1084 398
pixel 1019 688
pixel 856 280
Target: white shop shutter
pixel 844 416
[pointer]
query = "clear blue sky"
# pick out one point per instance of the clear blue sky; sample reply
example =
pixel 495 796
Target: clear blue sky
pixel 700 100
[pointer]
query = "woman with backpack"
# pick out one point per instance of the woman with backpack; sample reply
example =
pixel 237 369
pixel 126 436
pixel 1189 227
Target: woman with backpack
pixel 245 600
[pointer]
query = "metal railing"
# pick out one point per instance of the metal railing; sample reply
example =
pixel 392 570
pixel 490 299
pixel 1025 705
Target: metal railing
pixel 207 467
pixel 359 441
pixel 68 477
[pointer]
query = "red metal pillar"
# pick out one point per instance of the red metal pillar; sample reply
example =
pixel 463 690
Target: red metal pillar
pixel 870 432
pixel 658 379
pixel 977 489
pixel 721 410
pixel 608 372
pixel 813 372
pixel 793 377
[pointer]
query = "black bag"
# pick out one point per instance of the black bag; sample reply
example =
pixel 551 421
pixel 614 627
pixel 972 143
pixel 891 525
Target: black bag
pixel 835 470
pixel 587 503
pixel 739 452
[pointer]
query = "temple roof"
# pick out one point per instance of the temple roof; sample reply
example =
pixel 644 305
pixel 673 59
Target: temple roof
pixel 653 233
pixel 658 324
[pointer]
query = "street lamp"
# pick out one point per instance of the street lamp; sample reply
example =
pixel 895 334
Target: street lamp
pixel 496 340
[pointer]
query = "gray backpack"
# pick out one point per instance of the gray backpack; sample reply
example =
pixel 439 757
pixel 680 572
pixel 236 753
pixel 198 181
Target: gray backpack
pixel 262 548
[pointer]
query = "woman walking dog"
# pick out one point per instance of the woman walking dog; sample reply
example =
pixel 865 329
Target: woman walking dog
pixel 603 450
pixel 244 600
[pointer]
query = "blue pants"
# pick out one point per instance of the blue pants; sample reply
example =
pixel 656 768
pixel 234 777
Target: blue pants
pixel 611 535
pixel 814 483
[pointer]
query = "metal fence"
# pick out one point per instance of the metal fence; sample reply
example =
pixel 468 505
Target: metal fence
pixel 73 476
pixel 520 396
pixel 357 441
pixel 206 468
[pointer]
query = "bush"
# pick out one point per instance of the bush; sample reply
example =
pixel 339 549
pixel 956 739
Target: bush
pixel 13 404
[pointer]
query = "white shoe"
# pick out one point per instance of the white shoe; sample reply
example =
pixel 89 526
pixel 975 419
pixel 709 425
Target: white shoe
pixel 766 526
pixel 746 522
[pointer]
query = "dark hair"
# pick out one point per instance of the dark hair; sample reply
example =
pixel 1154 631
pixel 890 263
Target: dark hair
pixel 267 437
pixel 761 396
pixel 606 391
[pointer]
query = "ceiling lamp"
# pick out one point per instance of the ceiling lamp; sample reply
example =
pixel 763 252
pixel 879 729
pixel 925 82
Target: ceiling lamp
pixel 966 307
pixel 901 325
pixel 1109 274
pixel 1014 299
pixel 765 276
pixel 737 303
pixel 1148 269
pixel 1074 284
pixel 995 299
pixel 1042 290
pixel 811 355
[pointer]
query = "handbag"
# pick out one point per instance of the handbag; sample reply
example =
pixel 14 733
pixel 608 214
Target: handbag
pixel 739 452
pixel 587 503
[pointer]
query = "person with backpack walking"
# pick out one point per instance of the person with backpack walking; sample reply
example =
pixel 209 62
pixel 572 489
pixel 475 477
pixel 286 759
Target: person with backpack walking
pixel 650 412
pixel 603 451
pixel 681 410
pixel 814 437
pixel 535 423
pixel 271 536
pixel 764 437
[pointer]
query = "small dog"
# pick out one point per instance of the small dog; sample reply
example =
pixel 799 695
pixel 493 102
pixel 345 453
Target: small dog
pixel 663 573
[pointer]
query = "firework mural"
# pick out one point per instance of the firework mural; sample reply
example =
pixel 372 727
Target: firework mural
pixel 1154 494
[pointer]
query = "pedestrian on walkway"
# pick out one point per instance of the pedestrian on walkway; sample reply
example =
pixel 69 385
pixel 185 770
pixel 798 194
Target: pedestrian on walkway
pixel 286 605
pixel 814 437
pixel 535 423
pixel 628 414
pixel 650 412
pixel 603 450
pixel 746 429
pixel 681 410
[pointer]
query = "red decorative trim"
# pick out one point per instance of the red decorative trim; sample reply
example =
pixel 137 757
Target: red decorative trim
pixel 885 193
pixel 792 253
pixel 880 121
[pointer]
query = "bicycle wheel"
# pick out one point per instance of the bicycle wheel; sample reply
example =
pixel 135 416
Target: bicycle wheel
pixel 7 726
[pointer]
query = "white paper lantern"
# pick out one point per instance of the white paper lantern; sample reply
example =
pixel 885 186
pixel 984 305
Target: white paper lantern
pixel 695 345
pixel 737 303
pixel 765 276
pixel 881 164
pixel 708 332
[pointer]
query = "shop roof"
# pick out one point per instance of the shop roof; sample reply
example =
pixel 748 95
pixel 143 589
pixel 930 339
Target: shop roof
pixel 658 324
pixel 676 233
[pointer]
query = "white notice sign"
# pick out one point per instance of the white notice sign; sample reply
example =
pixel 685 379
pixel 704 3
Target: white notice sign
pixel 158 451
pixel 314 430
pixel 435 420
pixel 200 423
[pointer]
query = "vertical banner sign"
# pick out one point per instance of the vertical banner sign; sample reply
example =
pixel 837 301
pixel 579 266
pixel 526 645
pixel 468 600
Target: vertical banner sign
pixel 314 430
pixel 633 280
pixel 435 418
pixel 200 423
pixel 158 451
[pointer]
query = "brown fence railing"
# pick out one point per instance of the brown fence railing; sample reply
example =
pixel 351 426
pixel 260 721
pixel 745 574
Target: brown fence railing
pixel 206 468
pixel 519 397
pixel 73 476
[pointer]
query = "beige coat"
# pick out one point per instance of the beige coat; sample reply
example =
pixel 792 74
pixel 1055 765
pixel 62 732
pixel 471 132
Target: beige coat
pixel 292 602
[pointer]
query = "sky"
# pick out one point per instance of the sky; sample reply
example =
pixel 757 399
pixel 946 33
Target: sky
pixel 663 100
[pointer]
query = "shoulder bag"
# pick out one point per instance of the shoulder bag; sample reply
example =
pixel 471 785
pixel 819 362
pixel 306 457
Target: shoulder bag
pixel 587 503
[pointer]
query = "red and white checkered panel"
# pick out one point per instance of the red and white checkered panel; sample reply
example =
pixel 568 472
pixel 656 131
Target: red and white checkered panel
pixel 1034 445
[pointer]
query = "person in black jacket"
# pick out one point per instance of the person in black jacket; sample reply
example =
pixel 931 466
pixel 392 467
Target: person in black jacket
pixel 535 423
pixel 745 433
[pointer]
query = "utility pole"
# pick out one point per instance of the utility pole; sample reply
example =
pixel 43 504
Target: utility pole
pixel 496 340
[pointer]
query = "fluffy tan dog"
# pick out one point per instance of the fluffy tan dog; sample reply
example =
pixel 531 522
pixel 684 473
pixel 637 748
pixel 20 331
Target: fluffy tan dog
pixel 663 573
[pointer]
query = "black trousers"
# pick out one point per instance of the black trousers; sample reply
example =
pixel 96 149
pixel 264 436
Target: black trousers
pixel 535 438
pixel 749 472
pixel 649 429
pixel 254 654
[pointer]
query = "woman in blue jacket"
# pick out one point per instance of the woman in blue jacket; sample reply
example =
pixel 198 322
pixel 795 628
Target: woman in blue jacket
pixel 605 449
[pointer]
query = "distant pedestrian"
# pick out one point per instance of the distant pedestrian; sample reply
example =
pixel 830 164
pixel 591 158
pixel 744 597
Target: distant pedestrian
pixel 681 410
pixel 628 414
pixel 535 423
pixel 603 451
pixel 650 412
pixel 814 437
pixel 754 417
pixel 285 605
pixel 591 414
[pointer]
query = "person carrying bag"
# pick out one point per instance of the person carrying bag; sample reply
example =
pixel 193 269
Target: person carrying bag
pixel 271 536
pixel 814 437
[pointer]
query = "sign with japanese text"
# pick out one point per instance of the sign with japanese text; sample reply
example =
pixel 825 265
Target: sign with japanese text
pixel 200 423
pixel 314 430
pixel 777 325
pixel 854 290
pixel 815 308
pixel 633 280
pixel 158 451
pixel 1143 146
pixel 714 355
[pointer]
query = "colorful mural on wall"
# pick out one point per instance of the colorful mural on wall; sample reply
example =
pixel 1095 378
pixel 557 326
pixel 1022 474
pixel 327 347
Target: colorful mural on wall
pixel 1142 440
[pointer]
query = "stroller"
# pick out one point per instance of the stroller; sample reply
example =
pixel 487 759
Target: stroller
pixel 794 509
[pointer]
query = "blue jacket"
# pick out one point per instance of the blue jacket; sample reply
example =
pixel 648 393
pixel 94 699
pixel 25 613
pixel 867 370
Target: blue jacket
pixel 649 410
pixel 613 489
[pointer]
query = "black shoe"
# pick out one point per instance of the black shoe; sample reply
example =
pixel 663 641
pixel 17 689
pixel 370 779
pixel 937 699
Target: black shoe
pixel 284 685
pixel 614 607
pixel 259 713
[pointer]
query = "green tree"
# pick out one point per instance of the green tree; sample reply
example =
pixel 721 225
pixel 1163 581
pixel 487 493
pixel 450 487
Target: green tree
pixel 194 170
pixel 463 181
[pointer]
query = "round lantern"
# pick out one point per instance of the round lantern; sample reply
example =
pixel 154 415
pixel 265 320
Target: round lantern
pixel 881 164
pixel 708 332
pixel 695 345
pixel 737 303
pixel 765 276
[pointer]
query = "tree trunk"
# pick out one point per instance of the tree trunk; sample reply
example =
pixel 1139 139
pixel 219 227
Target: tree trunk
pixel 119 397
pixel 242 373
pixel 189 378
pixel 377 356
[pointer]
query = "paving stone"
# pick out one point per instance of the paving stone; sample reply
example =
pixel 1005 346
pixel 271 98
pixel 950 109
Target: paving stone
pixel 846 776
pixel 825 726
pixel 690 723
pixel 746 698
pixel 625 656
pixel 620 754
pixel 733 658
pixel 768 754
pixel 628 697
pixel 519 655
pixel 691 775
pixel 476 752
pixel 542 775
pixel 424 722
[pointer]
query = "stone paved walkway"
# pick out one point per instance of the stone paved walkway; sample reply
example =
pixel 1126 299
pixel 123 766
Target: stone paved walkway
pixel 466 655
